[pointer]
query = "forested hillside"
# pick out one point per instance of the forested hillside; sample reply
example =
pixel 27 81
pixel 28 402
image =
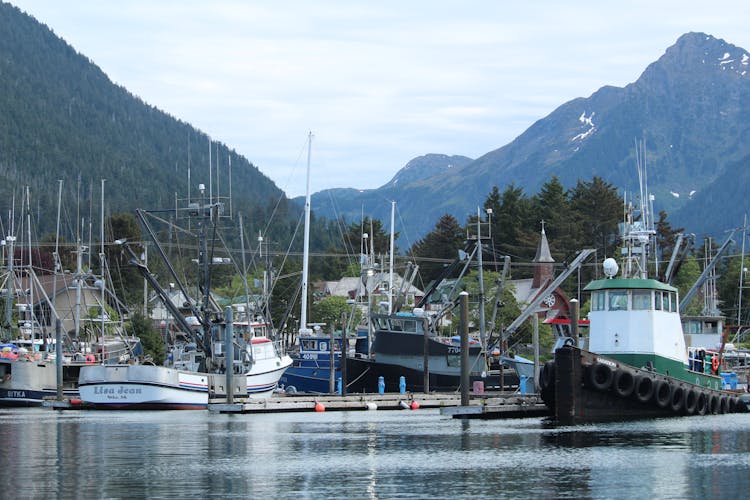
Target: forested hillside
pixel 62 118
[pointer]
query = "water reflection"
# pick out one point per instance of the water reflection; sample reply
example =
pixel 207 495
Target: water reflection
pixel 366 454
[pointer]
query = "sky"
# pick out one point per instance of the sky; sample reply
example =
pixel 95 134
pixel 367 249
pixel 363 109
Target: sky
pixel 377 83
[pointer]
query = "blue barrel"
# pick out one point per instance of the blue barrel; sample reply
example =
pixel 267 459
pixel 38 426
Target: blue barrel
pixel 381 385
pixel 402 384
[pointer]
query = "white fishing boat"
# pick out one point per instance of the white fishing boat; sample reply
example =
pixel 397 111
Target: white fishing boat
pixel 196 367
pixel 31 368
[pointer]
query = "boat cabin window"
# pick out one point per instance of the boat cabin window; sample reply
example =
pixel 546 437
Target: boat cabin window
pixel 673 302
pixel 641 300
pixel 618 300
pixel 657 300
pixel 309 345
pixel 404 325
pixel 598 301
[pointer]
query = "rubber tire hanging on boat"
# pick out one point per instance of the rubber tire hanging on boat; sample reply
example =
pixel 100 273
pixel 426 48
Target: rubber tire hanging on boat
pixel 690 401
pixel 701 405
pixel 600 376
pixel 723 404
pixel 713 403
pixel 623 383
pixel 677 398
pixel 662 393
pixel 547 383
pixel 644 388
pixel 547 378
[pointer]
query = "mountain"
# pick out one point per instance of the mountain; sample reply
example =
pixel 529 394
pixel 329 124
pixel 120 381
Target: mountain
pixel 689 108
pixel 61 117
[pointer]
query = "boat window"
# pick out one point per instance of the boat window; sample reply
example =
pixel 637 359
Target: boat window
pixel 598 301
pixel 410 326
pixel 618 300
pixel 397 325
pixel 657 301
pixel 673 302
pixel 641 300
pixel 665 301
pixel 310 345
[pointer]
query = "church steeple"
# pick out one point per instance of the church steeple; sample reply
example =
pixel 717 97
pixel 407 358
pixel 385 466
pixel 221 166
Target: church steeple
pixel 543 262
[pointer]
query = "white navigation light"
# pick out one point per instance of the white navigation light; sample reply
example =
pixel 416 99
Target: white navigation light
pixel 610 267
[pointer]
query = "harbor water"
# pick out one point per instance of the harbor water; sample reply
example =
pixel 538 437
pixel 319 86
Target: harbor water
pixel 376 454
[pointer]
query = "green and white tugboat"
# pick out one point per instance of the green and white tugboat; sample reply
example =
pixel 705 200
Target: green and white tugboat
pixel 634 363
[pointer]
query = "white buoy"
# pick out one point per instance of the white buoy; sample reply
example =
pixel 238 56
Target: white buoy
pixel 371 406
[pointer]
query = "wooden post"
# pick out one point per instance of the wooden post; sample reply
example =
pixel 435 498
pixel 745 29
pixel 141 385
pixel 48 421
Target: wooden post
pixel 331 362
pixel 464 298
pixel 59 358
pixel 229 354
pixel 344 349
pixel 425 358
pixel 535 342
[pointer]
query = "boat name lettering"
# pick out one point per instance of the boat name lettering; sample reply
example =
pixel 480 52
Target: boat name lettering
pixel 308 355
pixel 16 394
pixel 606 362
pixel 454 350
pixel 121 389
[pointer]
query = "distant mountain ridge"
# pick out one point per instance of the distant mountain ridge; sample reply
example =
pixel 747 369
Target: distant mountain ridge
pixel 688 108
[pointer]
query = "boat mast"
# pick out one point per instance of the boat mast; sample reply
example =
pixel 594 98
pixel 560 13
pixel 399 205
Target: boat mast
pixel 104 279
pixel 390 274
pixel 306 247
pixel 31 269
pixel 480 267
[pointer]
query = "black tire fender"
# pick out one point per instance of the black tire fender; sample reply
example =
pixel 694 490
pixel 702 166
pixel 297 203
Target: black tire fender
pixel 644 388
pixel 600 376
pixel 662 393
pixel 623 383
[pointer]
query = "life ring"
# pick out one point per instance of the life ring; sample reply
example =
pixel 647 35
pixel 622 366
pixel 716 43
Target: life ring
pixel 644 388
pixel 90 359
pixel 623 383
pixel 701 405
pixel 677 399
pixel 690 402
pixel 715 364
pixel 600 376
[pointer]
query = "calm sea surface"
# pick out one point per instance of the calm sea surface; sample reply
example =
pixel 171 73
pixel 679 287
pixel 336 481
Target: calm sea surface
pixel 376 454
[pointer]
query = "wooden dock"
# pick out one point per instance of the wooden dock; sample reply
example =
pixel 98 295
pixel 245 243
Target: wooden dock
pixel 503 406
pixel 481 406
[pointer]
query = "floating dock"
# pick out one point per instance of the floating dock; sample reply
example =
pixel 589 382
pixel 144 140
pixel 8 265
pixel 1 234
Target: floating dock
pixel 484 406
pixel 501 406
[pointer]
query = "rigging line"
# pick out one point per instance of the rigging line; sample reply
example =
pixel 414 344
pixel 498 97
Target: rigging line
pixel 170 224
pixel 282 196
pixel 291 241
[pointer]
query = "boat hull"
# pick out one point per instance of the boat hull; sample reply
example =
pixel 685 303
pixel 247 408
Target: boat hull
pixel 28 383
pixel 581 387
pixel 126 387
pixel 263 379
pixel 363 375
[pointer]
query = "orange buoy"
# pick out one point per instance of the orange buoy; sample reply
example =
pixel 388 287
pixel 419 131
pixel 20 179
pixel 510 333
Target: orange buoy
pixel 76 401
pixel 414 405
pixel 319 407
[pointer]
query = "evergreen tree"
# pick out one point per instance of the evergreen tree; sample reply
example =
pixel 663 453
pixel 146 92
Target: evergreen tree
pixel 439 247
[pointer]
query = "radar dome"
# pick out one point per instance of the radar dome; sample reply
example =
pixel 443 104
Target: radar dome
pixel 610 267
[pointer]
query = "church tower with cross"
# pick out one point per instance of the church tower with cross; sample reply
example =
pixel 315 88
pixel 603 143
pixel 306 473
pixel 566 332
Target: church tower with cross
pixel 543 263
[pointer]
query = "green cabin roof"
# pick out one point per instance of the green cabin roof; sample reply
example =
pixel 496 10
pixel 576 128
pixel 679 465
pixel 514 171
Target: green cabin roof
pixel 629 283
